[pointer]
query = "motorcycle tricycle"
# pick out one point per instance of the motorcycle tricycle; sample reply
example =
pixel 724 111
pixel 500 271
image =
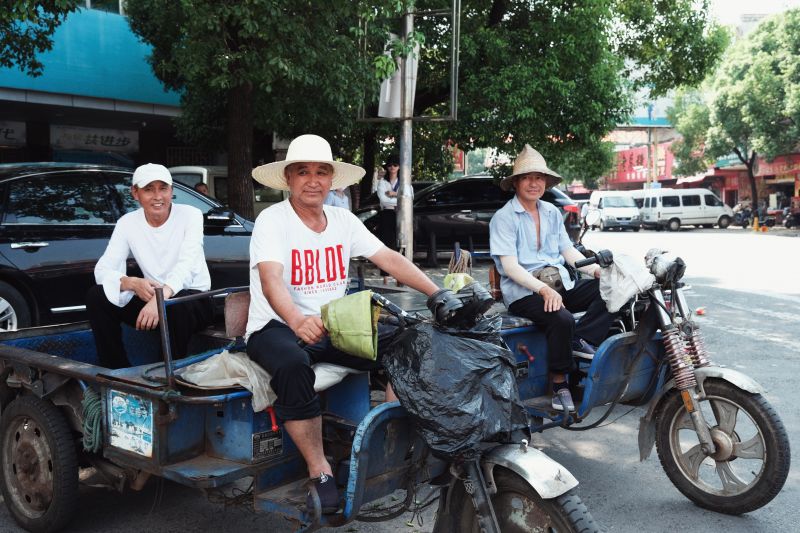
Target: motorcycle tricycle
pixel 61 413
pixel 719 440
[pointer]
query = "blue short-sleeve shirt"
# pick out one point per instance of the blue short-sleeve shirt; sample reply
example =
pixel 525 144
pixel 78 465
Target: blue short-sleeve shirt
pixel 512 231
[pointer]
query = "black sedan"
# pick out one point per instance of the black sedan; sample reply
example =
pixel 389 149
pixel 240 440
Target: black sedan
pixel 460 210
pixel 55 222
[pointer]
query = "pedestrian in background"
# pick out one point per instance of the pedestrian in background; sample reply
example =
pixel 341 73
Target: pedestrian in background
pixel 338 198
pixel 387 196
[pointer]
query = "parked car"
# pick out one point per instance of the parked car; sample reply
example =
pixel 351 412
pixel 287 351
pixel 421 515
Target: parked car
pixel 216 179
pixel 460 210
pixel 55 222
pixel 617 210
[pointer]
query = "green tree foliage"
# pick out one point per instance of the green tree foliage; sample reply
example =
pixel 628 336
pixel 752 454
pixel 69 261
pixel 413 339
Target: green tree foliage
pixel 277 65
pixel 559 74
pixel 25 31
pixel 753 101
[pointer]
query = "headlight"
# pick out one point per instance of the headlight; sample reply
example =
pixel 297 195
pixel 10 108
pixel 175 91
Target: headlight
pixel 366 215
pixel 636 217
pixel 609 218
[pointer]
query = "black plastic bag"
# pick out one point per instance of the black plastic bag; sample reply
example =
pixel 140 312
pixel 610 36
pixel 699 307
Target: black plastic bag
pixel 458 386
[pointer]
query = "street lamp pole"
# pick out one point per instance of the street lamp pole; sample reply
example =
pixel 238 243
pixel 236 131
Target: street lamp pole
pixel 405 223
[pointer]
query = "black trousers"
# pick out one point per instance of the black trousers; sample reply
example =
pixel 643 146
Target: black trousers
pixel 560 327
pixel 275 348
pixel 387 230
pixel 105 318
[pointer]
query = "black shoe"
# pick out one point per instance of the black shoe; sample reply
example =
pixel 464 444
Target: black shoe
pixel 581 348
pixel 327 492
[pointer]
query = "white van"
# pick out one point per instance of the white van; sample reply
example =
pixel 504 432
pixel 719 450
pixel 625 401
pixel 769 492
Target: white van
pixel 216 178
pixel 617 210
pixel 673 208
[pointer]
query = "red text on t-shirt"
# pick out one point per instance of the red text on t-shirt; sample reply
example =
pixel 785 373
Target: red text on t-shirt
pixel 318 265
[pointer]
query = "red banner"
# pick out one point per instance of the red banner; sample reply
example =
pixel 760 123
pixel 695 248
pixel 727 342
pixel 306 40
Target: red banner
pixel 633 164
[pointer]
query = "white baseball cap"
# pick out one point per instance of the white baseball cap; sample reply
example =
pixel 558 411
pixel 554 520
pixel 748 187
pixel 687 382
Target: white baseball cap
pixel 146 174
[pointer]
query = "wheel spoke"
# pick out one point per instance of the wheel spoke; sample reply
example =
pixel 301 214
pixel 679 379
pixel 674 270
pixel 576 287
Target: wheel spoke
pixel 753 448
pixel 730 481
pixel 725 413
pixel 4 306
pixel 692 460
pixel 684 421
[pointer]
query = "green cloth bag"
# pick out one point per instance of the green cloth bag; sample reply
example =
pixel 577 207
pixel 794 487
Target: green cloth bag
pixel 456 281
pixel 352 324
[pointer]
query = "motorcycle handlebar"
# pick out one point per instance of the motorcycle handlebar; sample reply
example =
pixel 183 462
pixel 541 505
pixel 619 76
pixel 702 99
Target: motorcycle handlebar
pixel 585 262
pixel 604 258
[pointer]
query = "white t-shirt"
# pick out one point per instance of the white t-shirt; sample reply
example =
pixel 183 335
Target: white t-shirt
pixel 315 265
pixel 171 254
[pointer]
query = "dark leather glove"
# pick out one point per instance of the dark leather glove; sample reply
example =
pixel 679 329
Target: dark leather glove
pixel 443 305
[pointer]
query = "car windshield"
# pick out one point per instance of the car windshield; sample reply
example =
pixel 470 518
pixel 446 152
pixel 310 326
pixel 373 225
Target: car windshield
pixel 618 201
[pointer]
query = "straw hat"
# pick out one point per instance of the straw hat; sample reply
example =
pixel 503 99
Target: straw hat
pixel 530 161
pixel 308 149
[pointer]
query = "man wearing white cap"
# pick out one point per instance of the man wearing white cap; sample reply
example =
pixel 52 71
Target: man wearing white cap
pixel 530 247
pixel 166 240
pixel 299 258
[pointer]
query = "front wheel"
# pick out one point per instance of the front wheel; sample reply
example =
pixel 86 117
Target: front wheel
pixel 752 459
pixel 724 221
pixel 40 466
pixel 519 509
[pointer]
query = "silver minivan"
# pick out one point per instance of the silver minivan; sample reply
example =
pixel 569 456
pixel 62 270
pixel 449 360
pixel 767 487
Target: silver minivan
pixel 673 208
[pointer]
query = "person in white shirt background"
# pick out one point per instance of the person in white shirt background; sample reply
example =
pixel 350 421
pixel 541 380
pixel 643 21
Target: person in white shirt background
pixel 166 240
pixel 388 188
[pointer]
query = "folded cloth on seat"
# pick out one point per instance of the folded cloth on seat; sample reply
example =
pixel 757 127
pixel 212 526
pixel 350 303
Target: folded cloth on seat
pixel 623 280
pixel 231 369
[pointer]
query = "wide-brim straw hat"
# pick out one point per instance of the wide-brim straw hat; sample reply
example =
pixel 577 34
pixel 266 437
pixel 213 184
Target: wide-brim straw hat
pixel 308 149
pixel 530 161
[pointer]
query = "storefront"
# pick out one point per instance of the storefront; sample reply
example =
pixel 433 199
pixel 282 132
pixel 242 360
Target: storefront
pixel 780 180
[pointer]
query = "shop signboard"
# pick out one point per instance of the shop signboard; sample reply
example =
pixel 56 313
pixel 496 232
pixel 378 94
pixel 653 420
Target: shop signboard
pixel 783 166
pixel 95 139
pixel 12 133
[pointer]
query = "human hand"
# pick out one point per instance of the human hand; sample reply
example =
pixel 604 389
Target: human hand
pixel 597 273
pixel 552 299
pixel 310 330
pixel 148 316
pixel 142 287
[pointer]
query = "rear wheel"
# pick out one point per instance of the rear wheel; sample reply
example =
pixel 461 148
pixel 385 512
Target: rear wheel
pixel 40 466
pixel 14 312
pixel 674 224
pixel 519 509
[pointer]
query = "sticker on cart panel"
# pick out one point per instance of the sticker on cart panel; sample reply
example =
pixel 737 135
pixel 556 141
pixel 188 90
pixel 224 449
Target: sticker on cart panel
pixel 131 422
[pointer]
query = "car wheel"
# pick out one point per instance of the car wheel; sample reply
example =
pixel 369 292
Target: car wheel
pixel 637 228
pixel 603 226
pixel 674 224
pixel 14 312
pixel 724 221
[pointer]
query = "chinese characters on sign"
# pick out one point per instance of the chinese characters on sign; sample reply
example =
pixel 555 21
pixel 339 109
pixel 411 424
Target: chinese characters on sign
pixel 633 164
pixel 75 137
pixel 12 133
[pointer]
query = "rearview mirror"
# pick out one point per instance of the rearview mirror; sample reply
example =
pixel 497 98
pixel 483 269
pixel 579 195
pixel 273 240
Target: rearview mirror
pixel 592 218
pixel 219 216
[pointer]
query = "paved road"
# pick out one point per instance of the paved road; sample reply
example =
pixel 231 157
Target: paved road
pixel 750 288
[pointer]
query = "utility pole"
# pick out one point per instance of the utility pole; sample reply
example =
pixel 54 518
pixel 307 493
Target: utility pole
pixel 405 221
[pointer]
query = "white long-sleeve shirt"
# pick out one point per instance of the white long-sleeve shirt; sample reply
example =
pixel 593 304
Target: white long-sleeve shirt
pixel 389 202
pixel 171 254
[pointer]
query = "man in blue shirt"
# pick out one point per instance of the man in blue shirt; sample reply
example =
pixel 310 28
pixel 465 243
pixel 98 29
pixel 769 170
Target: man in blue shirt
pixel 530 247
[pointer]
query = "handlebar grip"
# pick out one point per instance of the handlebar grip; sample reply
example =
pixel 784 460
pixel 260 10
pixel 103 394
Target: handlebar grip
pixel 586 262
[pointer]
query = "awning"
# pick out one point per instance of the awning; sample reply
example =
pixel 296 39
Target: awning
pixel 691 179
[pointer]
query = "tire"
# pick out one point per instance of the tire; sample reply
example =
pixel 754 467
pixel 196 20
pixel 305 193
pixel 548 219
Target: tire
pixel 750 482
pixel 603 226
pixel 40 465
pixel 519 509
pixel 637 228
pixel 674 224
pixel 724 221
pixel 14 311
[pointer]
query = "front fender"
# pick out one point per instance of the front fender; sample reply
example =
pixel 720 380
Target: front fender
pixel 548 478
pixel 647 429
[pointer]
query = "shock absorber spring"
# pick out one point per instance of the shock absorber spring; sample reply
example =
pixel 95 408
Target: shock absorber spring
pixel 679 360
pixel 696 347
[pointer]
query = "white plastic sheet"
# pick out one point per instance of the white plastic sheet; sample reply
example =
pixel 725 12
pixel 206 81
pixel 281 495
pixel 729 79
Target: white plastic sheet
pixel 623 280
pixel 231 369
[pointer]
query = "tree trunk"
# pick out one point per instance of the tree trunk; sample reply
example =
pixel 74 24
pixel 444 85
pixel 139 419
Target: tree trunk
pixel 240 150
pixel 365 188
pixel 753 189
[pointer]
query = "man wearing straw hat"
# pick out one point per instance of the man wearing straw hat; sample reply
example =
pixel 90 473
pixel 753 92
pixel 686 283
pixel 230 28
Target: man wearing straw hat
pixel 299 257
pixel 530 247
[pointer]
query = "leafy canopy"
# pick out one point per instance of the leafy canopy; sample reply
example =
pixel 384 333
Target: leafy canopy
pixel 26 29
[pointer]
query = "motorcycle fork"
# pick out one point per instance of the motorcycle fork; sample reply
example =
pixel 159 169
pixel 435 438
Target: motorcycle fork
pixel 682 367
pixel 475 485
